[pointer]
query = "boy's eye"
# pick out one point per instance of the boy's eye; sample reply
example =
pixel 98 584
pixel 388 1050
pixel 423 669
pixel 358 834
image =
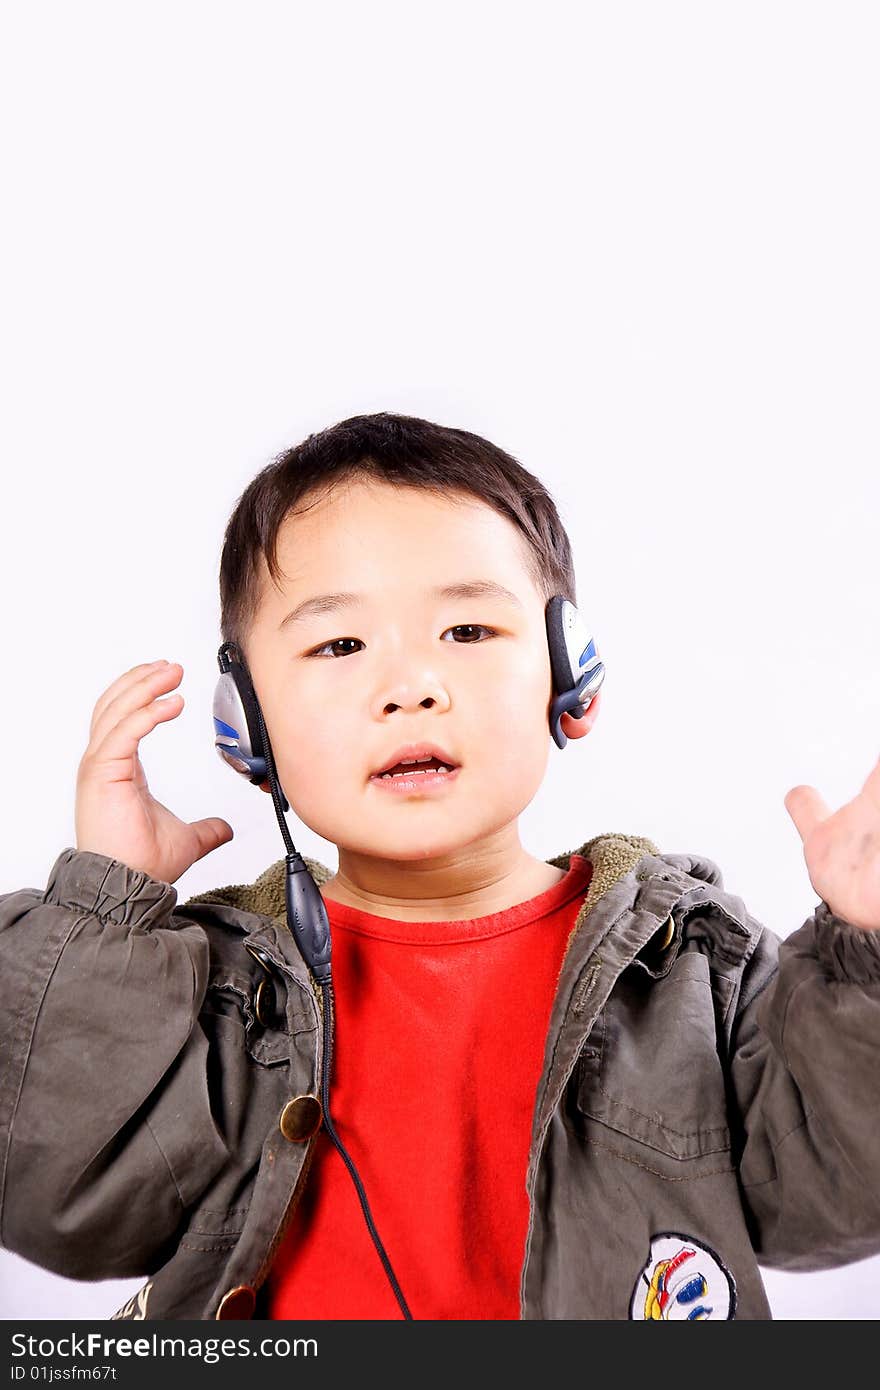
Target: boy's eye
pixel 468 628
pixel 338 642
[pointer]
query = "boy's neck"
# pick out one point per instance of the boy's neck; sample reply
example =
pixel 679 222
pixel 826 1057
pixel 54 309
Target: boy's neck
pixel 481 881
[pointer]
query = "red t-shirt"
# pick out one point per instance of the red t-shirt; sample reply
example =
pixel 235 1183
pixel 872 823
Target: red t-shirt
pixel 439 1046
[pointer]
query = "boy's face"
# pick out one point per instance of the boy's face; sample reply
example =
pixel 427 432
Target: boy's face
pixel 342 691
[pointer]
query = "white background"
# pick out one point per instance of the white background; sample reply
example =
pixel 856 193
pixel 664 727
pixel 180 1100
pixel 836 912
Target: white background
pixel 634 244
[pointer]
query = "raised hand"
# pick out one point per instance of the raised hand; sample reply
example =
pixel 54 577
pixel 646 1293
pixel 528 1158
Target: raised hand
pixel 842 849
pixel 115 813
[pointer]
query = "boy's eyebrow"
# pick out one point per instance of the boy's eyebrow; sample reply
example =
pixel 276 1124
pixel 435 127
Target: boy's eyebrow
pixel 333 603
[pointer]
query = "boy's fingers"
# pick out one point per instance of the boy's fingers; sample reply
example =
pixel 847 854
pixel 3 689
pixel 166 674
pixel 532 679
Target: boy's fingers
pixel 121 743
pixel 120 683
pixel 130 695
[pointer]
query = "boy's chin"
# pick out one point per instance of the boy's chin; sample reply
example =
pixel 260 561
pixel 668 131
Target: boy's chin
pixel 408 849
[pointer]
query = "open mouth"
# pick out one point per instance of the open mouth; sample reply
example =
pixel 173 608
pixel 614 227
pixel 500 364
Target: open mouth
pixel 417 770
pixel 416 767
pixel 434 779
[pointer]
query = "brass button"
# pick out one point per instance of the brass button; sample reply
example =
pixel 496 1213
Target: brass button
pixel 237 1305
pixel 300 1118
pixel 670 932
pixel 264 1003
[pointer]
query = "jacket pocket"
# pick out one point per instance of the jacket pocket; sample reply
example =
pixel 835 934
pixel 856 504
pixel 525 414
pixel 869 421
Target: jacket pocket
pixel 232 1002
pixel 650 1070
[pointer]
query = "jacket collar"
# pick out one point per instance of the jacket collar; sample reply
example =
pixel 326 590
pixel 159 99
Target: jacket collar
pixel 638 906
pixel 612 857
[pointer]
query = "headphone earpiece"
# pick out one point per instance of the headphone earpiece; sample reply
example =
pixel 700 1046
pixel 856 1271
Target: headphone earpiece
pixel 574 662
pixel 237 734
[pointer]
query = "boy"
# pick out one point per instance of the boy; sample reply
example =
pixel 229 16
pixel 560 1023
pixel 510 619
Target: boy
pixel 581 1088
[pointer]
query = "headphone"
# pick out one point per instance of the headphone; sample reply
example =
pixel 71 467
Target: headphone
pixel 242 741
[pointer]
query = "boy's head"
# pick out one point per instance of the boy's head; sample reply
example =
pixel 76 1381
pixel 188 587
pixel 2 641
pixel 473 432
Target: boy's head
pixel 450 551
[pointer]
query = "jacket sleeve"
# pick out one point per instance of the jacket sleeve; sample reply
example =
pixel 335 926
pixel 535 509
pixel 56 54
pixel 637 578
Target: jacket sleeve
pixel 106 1130
pixel 805 1068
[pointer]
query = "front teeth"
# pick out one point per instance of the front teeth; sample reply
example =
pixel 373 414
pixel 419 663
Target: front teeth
pixel 413 772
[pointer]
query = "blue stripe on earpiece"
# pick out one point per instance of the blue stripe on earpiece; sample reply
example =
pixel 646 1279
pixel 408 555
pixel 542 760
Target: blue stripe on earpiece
pixel 588 651
pixel 221 728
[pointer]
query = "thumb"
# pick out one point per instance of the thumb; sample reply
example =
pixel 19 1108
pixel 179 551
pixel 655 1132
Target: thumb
pixel 806 808
pixel 210 834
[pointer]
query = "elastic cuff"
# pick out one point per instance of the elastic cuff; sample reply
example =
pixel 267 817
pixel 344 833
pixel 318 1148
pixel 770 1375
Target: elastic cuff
pixel 847 952
pixel 107 889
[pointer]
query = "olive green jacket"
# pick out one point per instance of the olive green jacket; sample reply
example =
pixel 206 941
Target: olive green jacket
pixel 707 1102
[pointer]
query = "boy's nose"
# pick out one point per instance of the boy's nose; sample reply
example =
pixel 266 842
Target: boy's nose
pixel 427 694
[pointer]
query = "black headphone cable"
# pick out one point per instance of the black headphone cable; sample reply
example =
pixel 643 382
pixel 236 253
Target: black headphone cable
pixel 310 928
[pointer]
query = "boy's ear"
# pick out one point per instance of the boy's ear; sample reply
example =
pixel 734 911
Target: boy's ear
pixel 578 728
pixel 264 786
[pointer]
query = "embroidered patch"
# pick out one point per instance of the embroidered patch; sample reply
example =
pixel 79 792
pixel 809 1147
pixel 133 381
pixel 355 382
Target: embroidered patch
pixel 682 1281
